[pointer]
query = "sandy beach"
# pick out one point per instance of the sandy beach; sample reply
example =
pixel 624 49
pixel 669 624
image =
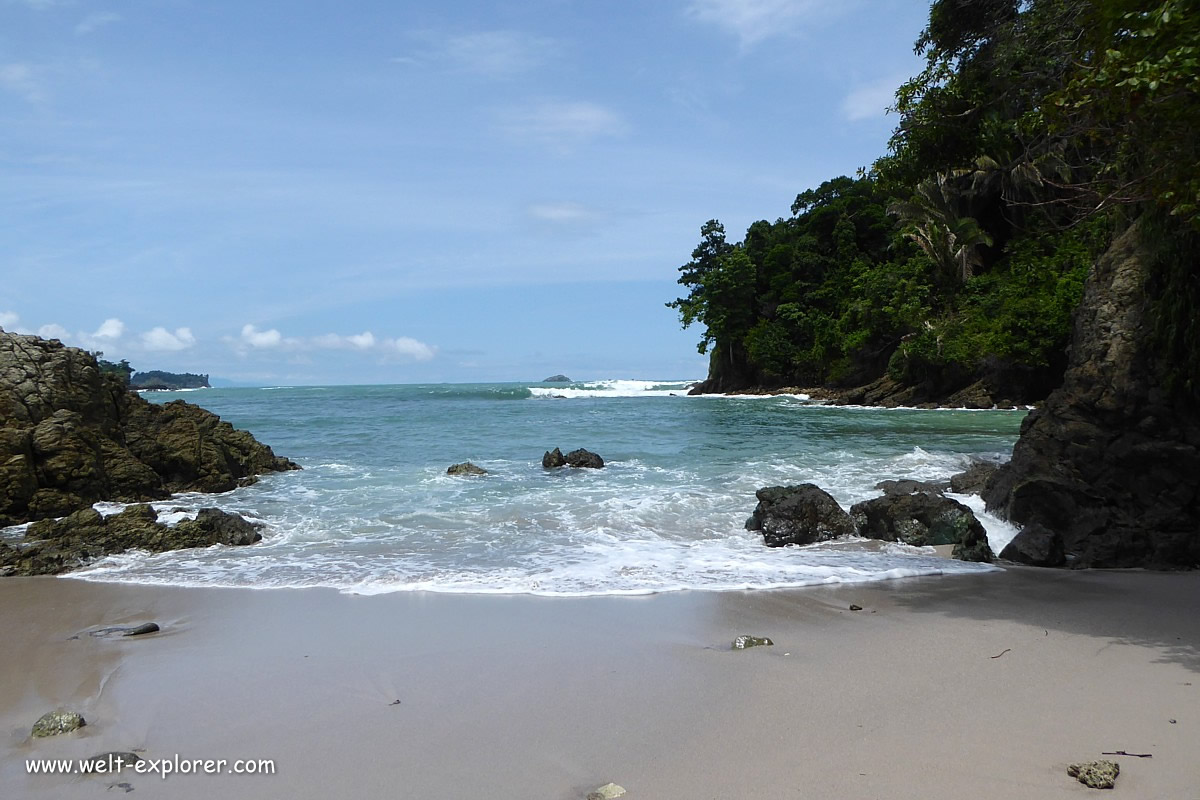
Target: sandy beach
pixel 970 686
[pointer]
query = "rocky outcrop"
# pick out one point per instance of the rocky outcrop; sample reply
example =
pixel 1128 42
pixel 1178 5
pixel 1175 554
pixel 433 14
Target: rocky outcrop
pixel 465 468
pixel 70 436
pixel 51 547
pixel 974 478
pixel 556 379
pixel 1104 475
pixel 922 519
pixel 798 515
pixel 576 458
pixel 908 486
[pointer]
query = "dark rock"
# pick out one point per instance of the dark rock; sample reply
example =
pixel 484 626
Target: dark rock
pixel 1095 774
pixel 855 607
pixel 584 458
pixel 54 723
pixel 556 379
pixel 51 547
pixel 116 631
pixel 553 458
pixel 977 395
pixel 111 763
pixel 1110 461
pixel 1035 545
pixel 72 437
pixel 974 478
pixel 465 468
pixel 745 641
pixel 214 526
pixel 798 515
pixel 923 519
pixel 906 486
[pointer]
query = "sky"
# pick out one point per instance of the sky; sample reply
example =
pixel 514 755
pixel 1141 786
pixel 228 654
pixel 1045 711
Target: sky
pixel 402 191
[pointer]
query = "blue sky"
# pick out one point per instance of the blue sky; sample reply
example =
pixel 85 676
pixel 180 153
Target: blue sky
pixel 398 192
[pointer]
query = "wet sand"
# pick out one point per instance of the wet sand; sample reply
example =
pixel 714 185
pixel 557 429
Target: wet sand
pixel 982 686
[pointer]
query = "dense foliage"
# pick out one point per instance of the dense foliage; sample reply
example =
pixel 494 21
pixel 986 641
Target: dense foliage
pixel 1037 129
pixel 119 369
pixel 157 379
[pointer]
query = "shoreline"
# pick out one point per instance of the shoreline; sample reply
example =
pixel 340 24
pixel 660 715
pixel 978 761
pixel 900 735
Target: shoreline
pixel 982 686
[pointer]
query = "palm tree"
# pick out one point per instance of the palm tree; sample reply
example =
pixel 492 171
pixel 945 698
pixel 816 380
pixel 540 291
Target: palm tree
pixel 931 220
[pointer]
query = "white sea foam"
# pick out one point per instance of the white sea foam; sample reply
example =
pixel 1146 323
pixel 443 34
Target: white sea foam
pixel 999 531
pixel 614 388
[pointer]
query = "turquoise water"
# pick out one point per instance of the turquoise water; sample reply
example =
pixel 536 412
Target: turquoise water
pixel 373 510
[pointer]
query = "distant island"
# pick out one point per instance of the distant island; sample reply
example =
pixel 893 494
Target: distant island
pixel 157 379
pixel 556 379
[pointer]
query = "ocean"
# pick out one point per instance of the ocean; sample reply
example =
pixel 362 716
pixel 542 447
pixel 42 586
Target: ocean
pixel 374 511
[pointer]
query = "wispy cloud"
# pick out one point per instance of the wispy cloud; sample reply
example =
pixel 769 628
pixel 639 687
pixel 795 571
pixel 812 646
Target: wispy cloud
pixel 10 320
pixel 162 340
pixel 561 212
pixel 21 79
pixel 496 54
pixel 871 101
pixel 563 125
pixel 92 22
pixel 755 20
pixel 366 342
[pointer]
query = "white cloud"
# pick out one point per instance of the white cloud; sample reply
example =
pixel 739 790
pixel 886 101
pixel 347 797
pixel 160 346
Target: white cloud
pixel 563 124
pixel 256 338
pixel 111 328
pixel 54 331
pixel 9 320
pixel 93 21
pixel 409 347
pixel 360 341
pixel 21 79
pixel 754 20
pixel 160 338
pixel 365 342
pixel 871 101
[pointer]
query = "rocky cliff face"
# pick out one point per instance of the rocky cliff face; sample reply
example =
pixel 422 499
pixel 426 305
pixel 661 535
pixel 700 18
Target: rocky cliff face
pixel 70 436
pixel 1107 473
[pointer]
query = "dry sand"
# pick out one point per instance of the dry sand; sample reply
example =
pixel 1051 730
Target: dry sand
pixel 528 697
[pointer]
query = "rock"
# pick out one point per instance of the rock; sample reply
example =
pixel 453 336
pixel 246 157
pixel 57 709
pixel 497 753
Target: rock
pixel 214 526
pixel 608 791
pixel 124 630
pixel 465 468
pixel 110 763
pixel 974 478
pixel 744 641
pixel 923 519
pixel 553 459
pixel 906 486
pixel 72 436
pixel 1035 545
pixel 584 458
pixel 55 722
pixel 1095 774
pixel 855 607
pixel 1104 462
pixel 51 547
pixel 556 379
pixel 798 515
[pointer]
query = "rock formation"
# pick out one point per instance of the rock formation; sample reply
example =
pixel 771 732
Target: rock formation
pixel 922 519
pixel 51 547
pixel 70 436
pixel 576 458
pixel 1105 474
pixel 798 515
pixel 465 468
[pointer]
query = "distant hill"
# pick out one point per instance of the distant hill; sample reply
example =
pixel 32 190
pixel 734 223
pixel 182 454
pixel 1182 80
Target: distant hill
pixel 157 379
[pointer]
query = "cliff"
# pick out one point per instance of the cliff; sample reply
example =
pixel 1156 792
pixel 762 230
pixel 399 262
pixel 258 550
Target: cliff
pixel 1107 473
pixel 70 436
